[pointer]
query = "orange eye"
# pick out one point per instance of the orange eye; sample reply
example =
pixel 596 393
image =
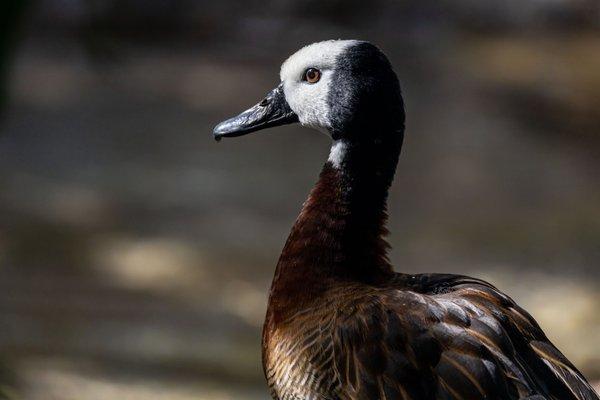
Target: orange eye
pixel 312 75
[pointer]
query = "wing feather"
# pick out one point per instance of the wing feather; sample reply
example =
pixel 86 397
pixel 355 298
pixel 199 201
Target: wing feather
pixel 447 337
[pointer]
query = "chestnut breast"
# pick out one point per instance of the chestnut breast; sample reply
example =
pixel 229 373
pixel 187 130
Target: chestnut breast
pixel 298 355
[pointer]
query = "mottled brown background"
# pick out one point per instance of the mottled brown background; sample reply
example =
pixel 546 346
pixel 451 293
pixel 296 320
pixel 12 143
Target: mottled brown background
pixel 136 253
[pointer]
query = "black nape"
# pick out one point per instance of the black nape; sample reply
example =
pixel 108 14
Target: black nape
pixel 365 100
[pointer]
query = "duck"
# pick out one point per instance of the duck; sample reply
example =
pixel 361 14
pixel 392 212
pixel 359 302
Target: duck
pixel 341 324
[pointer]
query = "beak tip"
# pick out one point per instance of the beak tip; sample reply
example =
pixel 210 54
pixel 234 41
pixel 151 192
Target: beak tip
pixel 219 131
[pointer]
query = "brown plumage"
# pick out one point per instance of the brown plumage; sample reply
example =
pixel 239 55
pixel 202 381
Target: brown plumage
pixel 335 334
pixel 340 323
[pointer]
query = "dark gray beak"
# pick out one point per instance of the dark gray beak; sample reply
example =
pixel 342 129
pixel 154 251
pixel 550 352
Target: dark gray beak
pixel 273 110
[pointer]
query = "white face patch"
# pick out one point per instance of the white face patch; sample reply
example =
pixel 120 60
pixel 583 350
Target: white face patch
pixel 309 101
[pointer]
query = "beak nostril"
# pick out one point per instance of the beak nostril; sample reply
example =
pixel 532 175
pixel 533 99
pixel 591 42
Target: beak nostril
pixel 265 102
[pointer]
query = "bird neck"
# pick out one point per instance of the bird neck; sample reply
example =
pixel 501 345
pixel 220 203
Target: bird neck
pixel 339 234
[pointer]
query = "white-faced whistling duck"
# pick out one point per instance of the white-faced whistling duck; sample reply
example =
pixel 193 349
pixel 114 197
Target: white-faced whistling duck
pixel 341 324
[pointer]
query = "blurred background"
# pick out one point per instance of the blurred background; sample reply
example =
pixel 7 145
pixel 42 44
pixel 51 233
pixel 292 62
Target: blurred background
pixel 136 253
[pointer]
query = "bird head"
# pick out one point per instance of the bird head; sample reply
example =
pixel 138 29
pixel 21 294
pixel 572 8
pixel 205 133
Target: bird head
pixel 345 88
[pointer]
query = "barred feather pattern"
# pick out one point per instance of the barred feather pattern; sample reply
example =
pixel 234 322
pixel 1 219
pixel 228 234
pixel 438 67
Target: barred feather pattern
pixel 299 361
pixel 418 338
